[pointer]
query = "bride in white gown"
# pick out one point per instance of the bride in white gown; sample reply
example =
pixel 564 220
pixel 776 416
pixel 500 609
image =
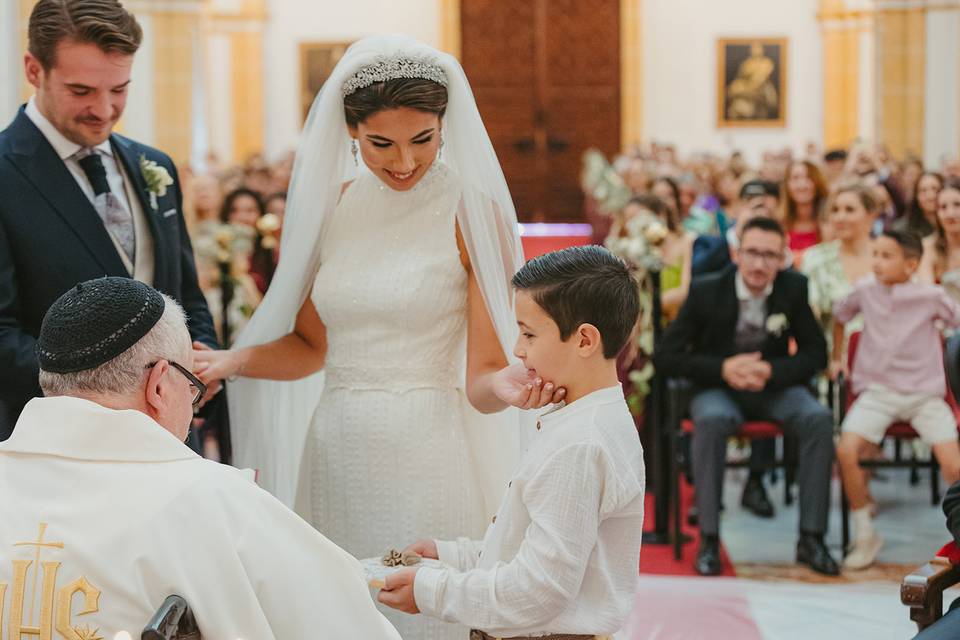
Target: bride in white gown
pixel 394 281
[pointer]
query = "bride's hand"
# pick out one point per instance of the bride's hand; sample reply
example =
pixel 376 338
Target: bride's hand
pixel 426 549
pixel 518 387
pixel 211 366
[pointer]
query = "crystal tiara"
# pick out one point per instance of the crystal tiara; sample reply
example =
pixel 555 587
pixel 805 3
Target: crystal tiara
pixel 391 68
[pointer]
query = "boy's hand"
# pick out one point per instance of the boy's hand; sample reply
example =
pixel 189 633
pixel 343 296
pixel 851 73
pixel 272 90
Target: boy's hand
pixel 836 368
pixel 426 548
pixel 398 591
pixel 516 386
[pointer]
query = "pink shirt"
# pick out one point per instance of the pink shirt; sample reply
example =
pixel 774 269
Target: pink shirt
pixel 900 347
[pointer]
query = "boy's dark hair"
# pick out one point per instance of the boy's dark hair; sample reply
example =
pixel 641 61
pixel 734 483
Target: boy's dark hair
pixel 104 23
pixel 909 241
pixel 582 285
pixel 764 224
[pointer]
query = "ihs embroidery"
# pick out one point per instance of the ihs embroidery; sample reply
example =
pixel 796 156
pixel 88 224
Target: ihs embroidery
pixel 56 606
pixel 86 633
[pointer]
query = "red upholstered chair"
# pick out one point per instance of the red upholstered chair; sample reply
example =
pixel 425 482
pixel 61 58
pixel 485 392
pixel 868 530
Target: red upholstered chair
pixel 682 427
pixel 900 432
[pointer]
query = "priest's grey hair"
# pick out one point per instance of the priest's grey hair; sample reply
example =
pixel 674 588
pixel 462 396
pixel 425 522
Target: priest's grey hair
pixel 125 374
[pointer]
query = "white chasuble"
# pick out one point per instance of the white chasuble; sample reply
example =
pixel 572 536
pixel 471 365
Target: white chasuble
pixel 103 514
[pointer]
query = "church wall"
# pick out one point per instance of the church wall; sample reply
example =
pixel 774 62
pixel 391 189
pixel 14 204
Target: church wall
pixel 11 70
pixel 292 22
pixel 680 68
pixel 942 85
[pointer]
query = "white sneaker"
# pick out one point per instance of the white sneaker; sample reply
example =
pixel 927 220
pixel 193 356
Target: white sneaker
pixel 863 553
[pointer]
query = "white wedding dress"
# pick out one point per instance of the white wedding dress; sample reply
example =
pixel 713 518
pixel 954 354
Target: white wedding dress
pixel 386 461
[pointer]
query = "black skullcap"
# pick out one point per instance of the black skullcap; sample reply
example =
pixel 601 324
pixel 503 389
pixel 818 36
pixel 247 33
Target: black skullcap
pixel 95 322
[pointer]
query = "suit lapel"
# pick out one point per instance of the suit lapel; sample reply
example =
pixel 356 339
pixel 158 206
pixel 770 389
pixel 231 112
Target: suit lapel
pixel 777 305
pixel 131 164
pixel 127 154
pixel 728 308
pixel 43 168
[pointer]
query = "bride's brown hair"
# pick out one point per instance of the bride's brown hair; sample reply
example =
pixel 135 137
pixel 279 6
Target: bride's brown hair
pixel 413 93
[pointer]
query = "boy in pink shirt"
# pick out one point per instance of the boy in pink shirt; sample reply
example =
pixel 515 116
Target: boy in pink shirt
pixel 898 374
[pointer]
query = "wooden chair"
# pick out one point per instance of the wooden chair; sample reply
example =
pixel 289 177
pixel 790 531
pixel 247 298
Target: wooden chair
pixel 173 621
pixel 922 590
pixel 900 432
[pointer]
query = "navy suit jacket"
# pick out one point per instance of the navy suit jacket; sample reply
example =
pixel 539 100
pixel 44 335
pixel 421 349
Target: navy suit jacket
pixel 51 238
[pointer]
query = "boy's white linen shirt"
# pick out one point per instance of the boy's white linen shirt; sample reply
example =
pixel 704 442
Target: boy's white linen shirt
pixel 562 555
pixel 141 517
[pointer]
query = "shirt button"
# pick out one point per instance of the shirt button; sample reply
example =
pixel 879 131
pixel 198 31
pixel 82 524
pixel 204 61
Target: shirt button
pixel 538 425
pixel 509 484
pixel 494 521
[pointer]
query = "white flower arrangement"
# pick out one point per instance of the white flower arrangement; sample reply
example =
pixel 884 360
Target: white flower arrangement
pixel 156 177
pixel 602 183
pixel 640 247
pixel 777 324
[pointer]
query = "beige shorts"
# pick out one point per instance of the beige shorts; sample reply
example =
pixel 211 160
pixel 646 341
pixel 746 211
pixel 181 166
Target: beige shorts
pixel 878 407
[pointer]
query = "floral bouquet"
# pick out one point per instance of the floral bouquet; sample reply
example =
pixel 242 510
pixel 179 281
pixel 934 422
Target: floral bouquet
pixel 223 267
pixel 601 182
pixel 636 237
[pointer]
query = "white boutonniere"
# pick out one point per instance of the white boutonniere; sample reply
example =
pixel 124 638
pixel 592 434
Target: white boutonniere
pixel 776 324
pixel 157 179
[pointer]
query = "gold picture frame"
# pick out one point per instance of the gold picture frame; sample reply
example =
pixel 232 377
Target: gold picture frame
pixel 751 82
pixel 317 60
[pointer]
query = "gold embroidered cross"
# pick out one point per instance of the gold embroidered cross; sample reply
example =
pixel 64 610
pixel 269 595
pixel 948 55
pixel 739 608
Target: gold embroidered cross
pixel 39 544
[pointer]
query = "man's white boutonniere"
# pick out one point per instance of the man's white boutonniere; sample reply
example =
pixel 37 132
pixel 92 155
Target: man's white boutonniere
pixel 157 179
pixel 776 324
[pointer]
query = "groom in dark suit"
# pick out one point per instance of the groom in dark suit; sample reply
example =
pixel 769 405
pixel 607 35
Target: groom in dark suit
pixel 77 201
pixel 732 339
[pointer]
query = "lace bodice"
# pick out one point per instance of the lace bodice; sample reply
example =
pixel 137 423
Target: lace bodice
pixel 391 288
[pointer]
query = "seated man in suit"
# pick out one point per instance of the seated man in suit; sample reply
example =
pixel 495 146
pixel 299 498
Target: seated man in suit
pixel 712 254
pixel 731 339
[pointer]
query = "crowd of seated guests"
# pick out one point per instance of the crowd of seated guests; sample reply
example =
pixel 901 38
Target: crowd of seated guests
pixel 844 217
pixel 235 217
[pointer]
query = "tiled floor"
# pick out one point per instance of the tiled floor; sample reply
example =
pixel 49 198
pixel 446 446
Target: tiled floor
pixel 774 599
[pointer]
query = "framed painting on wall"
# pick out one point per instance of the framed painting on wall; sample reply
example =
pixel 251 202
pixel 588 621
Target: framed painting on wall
pixel 317 60
pixel 751 82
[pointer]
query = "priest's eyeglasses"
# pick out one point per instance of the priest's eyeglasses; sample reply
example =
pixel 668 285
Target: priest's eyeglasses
pixel 199 387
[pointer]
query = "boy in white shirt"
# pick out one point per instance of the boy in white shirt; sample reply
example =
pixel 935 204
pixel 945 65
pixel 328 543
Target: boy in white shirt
pixel 561 558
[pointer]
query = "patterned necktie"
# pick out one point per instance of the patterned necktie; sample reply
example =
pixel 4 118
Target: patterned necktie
pixel 116 218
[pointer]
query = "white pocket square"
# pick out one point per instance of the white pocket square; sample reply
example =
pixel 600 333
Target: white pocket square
pixel 169 212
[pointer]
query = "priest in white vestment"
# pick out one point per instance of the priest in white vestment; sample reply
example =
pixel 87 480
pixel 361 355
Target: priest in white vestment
pixel 104 512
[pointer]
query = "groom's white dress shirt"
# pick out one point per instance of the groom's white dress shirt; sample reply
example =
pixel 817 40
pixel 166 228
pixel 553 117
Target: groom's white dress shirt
pixel 104 514
pixel 562 555
pixel 120 185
